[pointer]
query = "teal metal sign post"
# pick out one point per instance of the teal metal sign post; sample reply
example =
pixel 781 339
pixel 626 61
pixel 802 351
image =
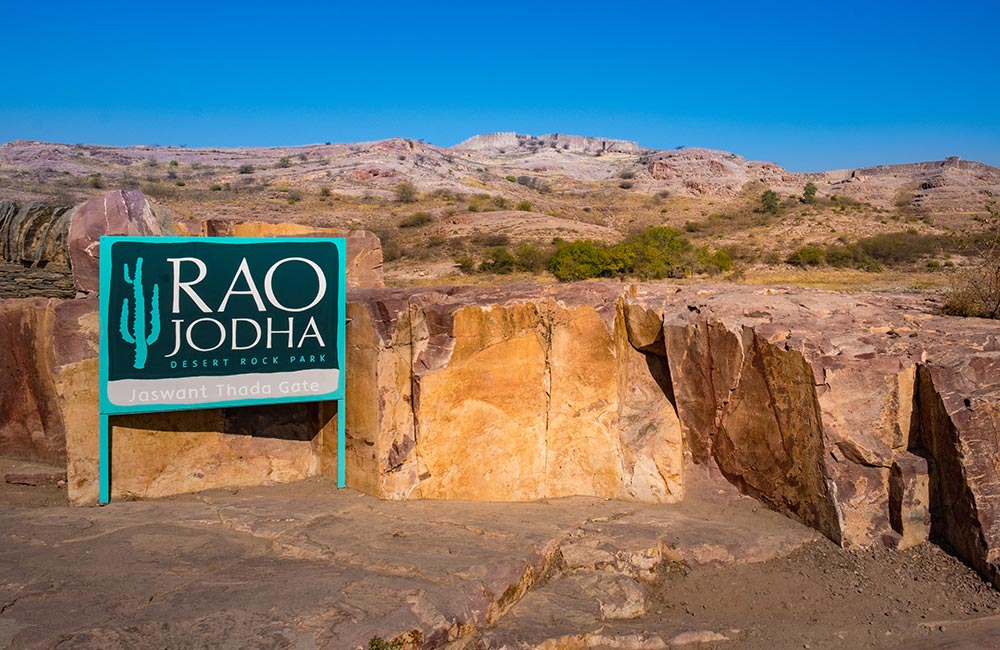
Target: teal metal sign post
pixel 192 323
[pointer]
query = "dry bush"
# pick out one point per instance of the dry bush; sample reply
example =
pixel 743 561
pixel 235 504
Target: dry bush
pixel 977 291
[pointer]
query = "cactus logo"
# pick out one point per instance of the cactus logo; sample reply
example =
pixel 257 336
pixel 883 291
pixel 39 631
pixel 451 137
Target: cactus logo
pixel 203 322
pixel 137 336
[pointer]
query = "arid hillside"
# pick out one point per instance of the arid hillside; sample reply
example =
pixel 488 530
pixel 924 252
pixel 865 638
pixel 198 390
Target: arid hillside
pixel 445 213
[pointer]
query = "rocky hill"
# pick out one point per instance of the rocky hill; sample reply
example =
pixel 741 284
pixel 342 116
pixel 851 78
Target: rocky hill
pixel 510 188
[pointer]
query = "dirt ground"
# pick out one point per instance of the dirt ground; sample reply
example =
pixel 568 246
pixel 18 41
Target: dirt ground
pixel 808 594
pixel 821 596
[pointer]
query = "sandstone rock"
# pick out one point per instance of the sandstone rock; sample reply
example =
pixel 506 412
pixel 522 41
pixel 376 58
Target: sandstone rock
pixel 120 213
pixel 31 422
pixel 822 406
pixel 504 403
pixel 364 251
pixel 960 429
pixel 909 499
pixel 49 413
pixel 35 235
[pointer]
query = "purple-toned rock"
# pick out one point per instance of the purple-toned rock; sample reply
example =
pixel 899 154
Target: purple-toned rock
pixel 119 213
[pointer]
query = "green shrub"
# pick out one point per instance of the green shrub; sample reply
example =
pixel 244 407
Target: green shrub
pixel 770 202
pixel 324 191
pixel 652 254
pixel 416 220
pixel 283 162
pixel 901 247
pixel 406 192
pixel 498 260
pixel 378 643
pixel 245 169
pixel 512 179
pixel 523 206
pixel 579 260
pixel 180 183
pixel 657 253
pixel 809 255
pixel 712 263
pixel 530 258
pixel 173 163
pixel 465 264
pixel 809 193
pixel 850 256
pixel 215 188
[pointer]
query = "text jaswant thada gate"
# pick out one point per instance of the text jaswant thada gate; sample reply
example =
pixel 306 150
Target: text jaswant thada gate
pixel 222 322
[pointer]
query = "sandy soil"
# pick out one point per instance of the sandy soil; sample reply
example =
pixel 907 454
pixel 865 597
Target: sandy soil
pixel 823 597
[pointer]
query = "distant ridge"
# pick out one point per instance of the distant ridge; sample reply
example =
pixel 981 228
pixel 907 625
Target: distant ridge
pixel 511 142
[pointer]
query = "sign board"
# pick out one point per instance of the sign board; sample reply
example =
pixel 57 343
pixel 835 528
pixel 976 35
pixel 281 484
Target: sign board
pixel 190 323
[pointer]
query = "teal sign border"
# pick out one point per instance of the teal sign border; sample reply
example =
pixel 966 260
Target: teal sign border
pixel 107 408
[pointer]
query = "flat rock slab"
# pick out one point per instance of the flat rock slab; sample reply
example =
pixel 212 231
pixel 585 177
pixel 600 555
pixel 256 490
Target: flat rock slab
pixel 307 565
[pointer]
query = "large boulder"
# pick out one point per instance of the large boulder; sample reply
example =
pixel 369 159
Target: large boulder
pixel 119 213
pixel 505 394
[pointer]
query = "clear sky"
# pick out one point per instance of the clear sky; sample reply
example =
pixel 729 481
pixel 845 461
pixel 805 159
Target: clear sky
pixel 811 86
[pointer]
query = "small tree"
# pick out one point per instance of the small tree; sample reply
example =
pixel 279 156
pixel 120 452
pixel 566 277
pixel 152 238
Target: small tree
pixel 770 202
pixel 809 193
pixel 406 192
pixel 245 169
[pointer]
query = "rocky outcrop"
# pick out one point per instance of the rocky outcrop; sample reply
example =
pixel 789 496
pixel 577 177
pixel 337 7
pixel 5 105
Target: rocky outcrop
pixel 866 417
pixel 520 396
pixel 364 250
pixel 49 413
pixel 119 213
pixel 810 402
pixel 34 235
pixel 31 423
pixel 960 431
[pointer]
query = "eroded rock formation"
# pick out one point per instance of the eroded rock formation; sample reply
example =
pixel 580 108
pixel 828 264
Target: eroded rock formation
pixel 826 407
pixel 34 235
pixel 868 418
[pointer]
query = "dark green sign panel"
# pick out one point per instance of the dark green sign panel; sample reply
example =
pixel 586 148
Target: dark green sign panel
pixel 198 323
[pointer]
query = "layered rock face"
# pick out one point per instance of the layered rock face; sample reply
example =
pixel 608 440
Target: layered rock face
pixel 827 407
pixel 866 417
pixel 33 257
pixel 34 235
pixel 511 396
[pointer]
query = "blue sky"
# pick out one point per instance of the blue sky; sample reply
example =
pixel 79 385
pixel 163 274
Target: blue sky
pixel 810 86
